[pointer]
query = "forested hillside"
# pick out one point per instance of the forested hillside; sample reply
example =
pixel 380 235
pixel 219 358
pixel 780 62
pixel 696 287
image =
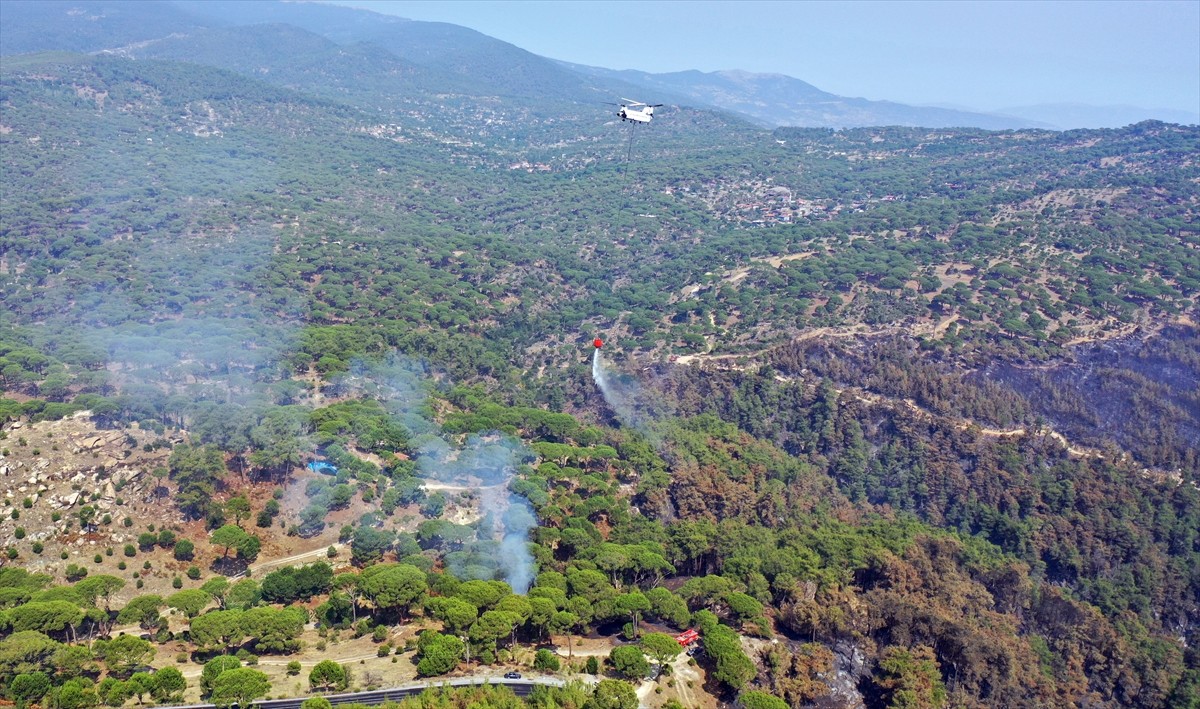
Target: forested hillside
pixel 906 417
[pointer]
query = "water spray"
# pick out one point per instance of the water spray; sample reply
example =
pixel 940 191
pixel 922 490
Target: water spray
pixel 623 394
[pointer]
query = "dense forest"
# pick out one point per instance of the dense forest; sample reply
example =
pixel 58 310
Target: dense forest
pixel 907 417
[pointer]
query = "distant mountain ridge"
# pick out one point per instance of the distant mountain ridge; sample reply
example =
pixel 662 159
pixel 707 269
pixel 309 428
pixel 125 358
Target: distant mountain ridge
pixel 291 56
pixel 1076 115
pixel 372 60
pixel 778 100
pixel 365 52
pixel 88 26
pixel 478 63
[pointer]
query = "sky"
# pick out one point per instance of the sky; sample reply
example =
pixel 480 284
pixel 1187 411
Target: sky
pixel 983 55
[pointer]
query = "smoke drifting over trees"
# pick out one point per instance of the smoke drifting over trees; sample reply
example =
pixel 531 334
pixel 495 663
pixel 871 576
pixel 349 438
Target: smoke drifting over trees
pixel 627 399
pixel 485 464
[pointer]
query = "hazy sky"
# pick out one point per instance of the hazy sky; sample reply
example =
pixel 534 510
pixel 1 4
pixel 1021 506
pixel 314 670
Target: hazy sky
pixel 982 55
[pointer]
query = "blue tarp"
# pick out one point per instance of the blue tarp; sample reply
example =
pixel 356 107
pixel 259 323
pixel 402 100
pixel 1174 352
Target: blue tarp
pixel 323 466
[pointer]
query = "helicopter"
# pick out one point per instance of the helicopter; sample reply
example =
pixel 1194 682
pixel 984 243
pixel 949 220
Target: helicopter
pixel 636 111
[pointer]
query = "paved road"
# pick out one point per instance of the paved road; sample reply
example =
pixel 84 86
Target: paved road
pixel 520 687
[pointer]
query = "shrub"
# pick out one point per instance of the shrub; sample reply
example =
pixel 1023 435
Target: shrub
pixel 546 660
pixel 146 541
pixel 762 700
pixel 327 675
pixel 185 549
pixel 629 662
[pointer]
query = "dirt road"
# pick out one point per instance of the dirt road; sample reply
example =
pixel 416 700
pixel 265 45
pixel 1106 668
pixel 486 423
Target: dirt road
pixel 302 557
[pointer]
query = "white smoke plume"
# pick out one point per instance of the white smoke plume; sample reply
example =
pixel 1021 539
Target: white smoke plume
pixel 487 464
pixel 484 464
pixel 210 340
